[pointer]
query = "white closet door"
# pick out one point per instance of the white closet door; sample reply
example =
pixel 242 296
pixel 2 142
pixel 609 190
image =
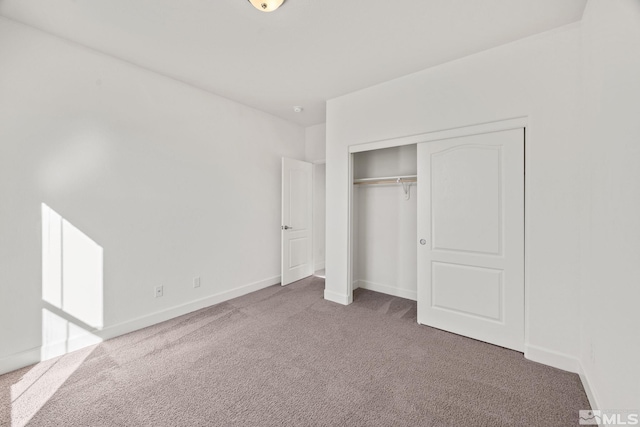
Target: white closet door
pixel 297 231
pixel 471 236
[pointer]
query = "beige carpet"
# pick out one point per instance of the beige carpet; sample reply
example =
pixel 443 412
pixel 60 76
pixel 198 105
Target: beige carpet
pixel 286 357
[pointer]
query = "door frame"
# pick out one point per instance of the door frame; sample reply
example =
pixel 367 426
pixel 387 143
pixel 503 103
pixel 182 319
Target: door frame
pixel 468 130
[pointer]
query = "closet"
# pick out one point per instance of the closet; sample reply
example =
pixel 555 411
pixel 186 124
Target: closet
pixel 385 222
pixel 441 222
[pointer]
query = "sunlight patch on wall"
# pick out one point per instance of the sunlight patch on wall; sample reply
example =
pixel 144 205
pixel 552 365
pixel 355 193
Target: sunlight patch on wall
pixel 72 286
pixel 61 336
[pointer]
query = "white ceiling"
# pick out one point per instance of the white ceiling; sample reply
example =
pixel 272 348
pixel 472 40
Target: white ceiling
pixel 305 53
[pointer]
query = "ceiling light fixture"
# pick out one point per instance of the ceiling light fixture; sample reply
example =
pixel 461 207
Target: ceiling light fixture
pixel 298 109
pixel 266 5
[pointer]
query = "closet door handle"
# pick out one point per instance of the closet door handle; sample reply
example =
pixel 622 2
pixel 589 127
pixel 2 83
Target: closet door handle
pixel 286 227
pixel 423 242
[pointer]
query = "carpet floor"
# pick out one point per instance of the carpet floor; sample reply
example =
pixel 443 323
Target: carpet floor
pixel 284 356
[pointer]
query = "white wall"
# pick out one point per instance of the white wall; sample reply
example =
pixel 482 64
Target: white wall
pixel 316 143
pixel 171 182
pixel 316 152
pixel 393 161
pixel 319 215
pixel 610 293
pixel 385 254
pixel 538 77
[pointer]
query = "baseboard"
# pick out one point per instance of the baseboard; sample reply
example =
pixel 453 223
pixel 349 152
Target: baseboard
pixel 35 355
pixel 318 266
pixel 48 351
pixel 161 316
pixel 566 363
pixel 385 289
pixel 336 297
pixel 552 358
pixel 20 360
pixel 588 389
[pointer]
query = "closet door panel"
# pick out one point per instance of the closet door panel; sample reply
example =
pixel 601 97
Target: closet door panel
pixel 455 188
pixel 470 290
pixel 471 236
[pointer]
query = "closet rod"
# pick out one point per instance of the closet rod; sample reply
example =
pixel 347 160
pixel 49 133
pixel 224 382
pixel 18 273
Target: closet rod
pixel 386 180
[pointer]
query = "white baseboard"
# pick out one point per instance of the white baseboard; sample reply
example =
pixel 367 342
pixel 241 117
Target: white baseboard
pixel 35 355
pixel 161 316
pixel 20 360
pixel 318 266
pixel 552 358
pixel 588 389
pixel 336 297
pixel 566 363
pixel 386 289
pixel 46 352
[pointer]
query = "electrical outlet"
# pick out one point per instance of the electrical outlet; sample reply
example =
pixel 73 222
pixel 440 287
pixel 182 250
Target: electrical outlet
pixel 196 282
pixel 159 291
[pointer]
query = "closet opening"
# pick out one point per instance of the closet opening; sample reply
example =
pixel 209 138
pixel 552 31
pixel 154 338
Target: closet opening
pixel 384 221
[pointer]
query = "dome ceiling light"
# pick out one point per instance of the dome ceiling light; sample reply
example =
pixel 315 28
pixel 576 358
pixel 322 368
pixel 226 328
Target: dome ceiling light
pixel 266 5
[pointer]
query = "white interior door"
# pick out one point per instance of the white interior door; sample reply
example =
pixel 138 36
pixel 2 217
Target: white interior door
pixel 471 236
pixel 297 231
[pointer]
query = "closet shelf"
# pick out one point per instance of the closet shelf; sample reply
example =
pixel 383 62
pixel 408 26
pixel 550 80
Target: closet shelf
pixel 386 180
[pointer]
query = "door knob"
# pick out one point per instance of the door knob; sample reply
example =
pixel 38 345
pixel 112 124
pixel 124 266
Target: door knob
pixel 423 242
pixel 286 227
